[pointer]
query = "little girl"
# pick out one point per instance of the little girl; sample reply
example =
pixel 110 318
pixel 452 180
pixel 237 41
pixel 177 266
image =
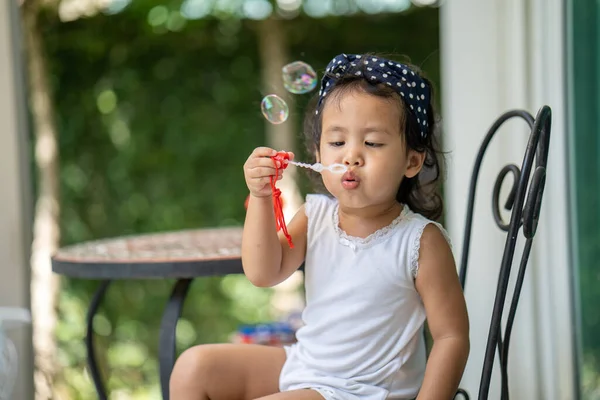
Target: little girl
pixel 376 264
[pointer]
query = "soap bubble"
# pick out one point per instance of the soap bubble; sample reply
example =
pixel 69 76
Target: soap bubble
pixel 337 168
pixel 299 77
pixel 274 108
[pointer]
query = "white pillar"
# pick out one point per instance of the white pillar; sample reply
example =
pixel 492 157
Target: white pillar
pixel 499 55
pixel 15 202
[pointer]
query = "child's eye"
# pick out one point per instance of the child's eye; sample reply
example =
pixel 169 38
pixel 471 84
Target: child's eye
pixel 372 144
pixel 336 144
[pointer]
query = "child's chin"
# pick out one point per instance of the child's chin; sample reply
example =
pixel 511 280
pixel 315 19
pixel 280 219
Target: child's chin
pixel 351 199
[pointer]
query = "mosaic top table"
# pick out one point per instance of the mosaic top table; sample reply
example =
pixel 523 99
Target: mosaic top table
pixel 182 255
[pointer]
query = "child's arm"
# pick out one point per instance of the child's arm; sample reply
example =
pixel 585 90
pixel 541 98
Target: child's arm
pixel 437 283
pixel 266 256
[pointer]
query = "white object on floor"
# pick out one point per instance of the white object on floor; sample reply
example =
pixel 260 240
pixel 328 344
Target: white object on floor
pixel 10 317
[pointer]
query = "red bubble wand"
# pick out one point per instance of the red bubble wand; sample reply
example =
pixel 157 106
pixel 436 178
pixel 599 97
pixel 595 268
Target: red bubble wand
pixel 282 157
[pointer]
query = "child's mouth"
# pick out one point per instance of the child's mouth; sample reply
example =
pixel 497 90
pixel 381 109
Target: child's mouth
pixel 350 181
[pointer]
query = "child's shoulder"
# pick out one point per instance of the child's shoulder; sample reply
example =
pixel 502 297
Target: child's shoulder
pixel 425 227
pixel 411 215
pixel 422 234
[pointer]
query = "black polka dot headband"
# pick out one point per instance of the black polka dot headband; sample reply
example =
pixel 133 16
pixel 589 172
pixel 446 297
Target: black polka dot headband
pixel 412 88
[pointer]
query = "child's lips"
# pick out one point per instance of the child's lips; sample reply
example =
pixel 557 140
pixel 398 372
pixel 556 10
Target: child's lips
pixel 350 180
pixel 350 176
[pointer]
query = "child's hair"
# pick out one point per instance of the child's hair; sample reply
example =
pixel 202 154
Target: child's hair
pixel 420 193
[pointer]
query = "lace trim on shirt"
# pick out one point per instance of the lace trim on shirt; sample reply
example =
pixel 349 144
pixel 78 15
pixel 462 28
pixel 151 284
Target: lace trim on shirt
pixel 355 242
pixel 414 253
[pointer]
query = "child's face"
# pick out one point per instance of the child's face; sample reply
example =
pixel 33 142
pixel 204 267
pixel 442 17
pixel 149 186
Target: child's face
pixel 363 131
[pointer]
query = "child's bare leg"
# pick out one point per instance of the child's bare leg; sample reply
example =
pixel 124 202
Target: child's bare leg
pixel 303 394
pixel 226 372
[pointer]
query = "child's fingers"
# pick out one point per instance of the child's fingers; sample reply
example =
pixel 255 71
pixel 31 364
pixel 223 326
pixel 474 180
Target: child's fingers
pixel 264 152
pixel 259 172
pixel 263 181
pixel 260 169
pixel 263 162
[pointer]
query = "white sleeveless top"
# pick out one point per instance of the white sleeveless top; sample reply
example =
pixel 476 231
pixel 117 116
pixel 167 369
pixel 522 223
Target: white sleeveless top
pixel 363 333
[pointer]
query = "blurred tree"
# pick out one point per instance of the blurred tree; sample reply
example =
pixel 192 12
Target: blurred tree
pixel 273 51
pixel 46 234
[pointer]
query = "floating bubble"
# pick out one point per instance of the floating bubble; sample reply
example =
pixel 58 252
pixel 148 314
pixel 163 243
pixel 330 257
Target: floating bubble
pixel 274 108
pixel 299 77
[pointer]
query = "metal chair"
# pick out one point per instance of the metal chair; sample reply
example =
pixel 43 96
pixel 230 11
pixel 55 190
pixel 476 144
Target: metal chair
pixel 524 201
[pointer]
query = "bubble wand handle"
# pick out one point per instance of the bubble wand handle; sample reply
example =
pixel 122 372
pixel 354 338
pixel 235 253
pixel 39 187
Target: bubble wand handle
pixel 318 167
pixel 299 164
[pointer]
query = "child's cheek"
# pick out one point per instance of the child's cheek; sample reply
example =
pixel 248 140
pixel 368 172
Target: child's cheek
pixel 330 183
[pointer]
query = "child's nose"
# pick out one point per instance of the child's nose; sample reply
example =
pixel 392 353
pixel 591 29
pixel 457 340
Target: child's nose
pixel 353 158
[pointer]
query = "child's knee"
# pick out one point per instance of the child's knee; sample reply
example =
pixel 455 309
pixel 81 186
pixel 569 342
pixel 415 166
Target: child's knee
pixel 193 366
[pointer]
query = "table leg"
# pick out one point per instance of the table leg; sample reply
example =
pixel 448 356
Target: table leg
pixel 89 342
pixel 168 327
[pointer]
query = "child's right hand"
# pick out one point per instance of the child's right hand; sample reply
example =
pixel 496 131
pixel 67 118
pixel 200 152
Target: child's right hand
pixel 259 168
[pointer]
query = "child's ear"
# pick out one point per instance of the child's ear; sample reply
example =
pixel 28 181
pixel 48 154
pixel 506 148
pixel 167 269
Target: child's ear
pixel 415 163
pixel 318 156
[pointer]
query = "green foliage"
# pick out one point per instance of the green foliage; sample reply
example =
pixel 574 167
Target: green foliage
pixel 154 127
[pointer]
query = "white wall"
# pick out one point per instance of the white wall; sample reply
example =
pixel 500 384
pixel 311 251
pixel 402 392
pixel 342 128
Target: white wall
pixel 499 55
pixel 15 209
